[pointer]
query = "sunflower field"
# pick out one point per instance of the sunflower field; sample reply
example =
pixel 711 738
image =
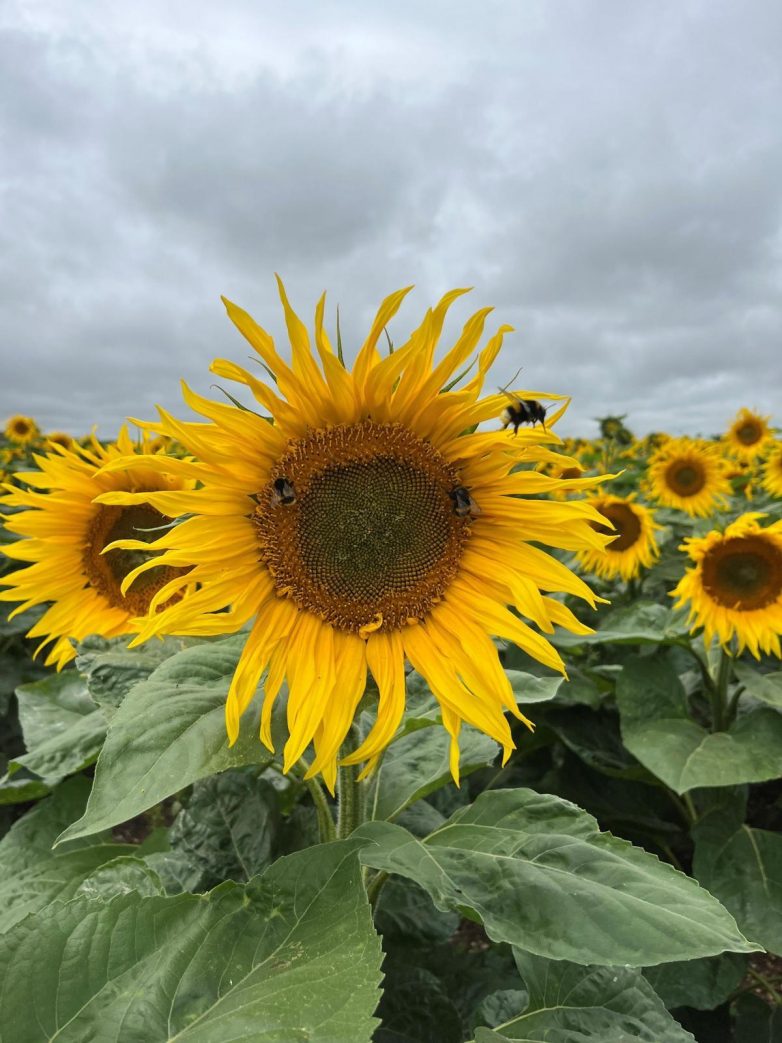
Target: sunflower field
pixel 360 705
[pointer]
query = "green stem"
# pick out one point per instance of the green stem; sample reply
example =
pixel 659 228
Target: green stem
pixel 706 677
pixel 326 830
pixel 771 989
pixel 375 886
pixel 350 793
pixel 687 799
pixel 719 693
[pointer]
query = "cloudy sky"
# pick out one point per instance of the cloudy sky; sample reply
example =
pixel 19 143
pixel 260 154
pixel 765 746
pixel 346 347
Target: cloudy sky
pixel 607 174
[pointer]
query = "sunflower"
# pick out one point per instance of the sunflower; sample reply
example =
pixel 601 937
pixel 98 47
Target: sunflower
pixel 735 587
pixel 66 534
pixel 688 475
pixel 772 471
pixel 21 429
pixel 748 435
pixel 60 438
pixel 634 545
pixel 370 523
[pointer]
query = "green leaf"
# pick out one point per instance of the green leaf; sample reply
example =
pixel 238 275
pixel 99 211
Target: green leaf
pixel 121 876
pixel 417 764
pixel 530 689
pixel 32 876
pixel 568 1002
pixel 657 729
pixel 529 863
pixel 765 687
pixel 405 914
pixel 290 956
pixel 63 728
pixel 755 1021
pixel 228 828
pixel 702 984
pixel 20 790
pixel 169 732
pixel 742 867
pixel 643 623
pixel 111 669
pixel 415 1007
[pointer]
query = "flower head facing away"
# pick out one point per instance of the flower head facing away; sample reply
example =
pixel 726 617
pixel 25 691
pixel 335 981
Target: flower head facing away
pixel 370 523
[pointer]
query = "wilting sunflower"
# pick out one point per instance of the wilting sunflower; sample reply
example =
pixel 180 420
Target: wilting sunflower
pixel 772 471
pixel 634 544
pixel 21 429
pixel 66 534
pixel 368 524
pixel 748 435
pixel 688 475
pixel 735 587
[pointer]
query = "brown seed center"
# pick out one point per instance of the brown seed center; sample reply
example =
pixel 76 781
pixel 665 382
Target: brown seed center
pixel 749 433
pixel 625 521
pixel 107 571
pixel 685 477
pixel 743 573
pixel 357 525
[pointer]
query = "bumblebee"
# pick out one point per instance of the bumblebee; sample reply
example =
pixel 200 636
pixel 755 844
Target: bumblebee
pixel 463 503
pixel 283 492
pixel 523 411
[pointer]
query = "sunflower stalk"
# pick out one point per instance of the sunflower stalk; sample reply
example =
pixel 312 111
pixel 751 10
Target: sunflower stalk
pixel 719 693
pixel 351 802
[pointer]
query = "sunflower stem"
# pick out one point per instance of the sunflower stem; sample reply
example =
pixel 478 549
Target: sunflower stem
pixel 326 829
pixel 351 810
pixel 719 693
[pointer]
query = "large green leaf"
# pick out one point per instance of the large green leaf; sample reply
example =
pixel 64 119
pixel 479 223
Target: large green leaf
pixel 63 728
pixel 537 871
pixel 111 669
pixel 742 867
pixel 417 764
pixel 658 730
pixel 31 874
pixel 168 732
pixel 765 687
pixel 643 623
pixel 228 829
pixel 569 1003
pixel 290 956
pixel 702 984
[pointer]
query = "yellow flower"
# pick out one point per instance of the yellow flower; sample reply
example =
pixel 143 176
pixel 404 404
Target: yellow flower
pixel 66 534
pixel 368 524
pixel 21 429
pixel 772 471
pixel 60 438
pixel 735 587
pixel 634 546
pixel 748 435
pixel 688 475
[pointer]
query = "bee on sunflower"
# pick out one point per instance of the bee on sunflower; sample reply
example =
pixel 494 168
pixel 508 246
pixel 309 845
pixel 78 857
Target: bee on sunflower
pixel 64 535
pixel 734 588
pixel 634 545
pixel 748 436
pixel 369 524
pixel 21 429
pixel 688 475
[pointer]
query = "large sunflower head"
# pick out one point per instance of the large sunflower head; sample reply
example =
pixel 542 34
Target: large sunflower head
pixel 735 586
pixel 748 435
pixel 633 545
pixel 688 475
pixel 772 471
pixel 370 523
pixel 21 429
pixel 64 539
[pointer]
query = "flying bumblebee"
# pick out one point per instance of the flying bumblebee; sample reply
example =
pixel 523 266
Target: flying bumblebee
pixel 523 411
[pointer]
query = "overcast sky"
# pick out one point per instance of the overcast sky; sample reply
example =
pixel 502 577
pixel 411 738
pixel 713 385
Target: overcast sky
pixel 607 174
